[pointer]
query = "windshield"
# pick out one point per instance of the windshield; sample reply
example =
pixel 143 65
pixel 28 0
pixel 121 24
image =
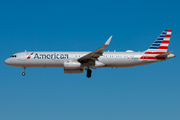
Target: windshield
pixel 13 56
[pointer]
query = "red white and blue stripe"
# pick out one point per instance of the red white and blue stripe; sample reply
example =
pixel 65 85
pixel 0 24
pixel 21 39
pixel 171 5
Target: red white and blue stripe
pixel 159 46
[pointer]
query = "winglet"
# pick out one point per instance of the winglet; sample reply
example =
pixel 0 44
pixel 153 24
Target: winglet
pixel 108 41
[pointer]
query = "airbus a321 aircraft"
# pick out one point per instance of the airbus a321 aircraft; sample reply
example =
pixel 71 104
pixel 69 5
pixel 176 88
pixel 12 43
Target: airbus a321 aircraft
pixel 76 62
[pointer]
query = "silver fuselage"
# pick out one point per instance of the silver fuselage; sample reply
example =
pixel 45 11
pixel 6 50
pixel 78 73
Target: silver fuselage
pixel 57 59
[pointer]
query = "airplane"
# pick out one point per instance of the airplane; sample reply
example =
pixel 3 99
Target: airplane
pixel 76 62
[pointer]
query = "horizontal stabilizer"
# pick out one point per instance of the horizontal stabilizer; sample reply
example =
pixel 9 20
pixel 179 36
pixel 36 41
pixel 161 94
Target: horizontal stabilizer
pixel 164 54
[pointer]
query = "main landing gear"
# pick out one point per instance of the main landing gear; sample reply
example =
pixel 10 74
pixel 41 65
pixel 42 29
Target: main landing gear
pixel 88 73
pixel 24 69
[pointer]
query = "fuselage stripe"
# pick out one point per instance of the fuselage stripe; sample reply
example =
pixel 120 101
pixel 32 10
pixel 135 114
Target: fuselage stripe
pixel 154 52
pixel 150 57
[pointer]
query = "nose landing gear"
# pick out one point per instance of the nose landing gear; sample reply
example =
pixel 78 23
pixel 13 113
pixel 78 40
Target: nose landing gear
pixel 23 73
pixel 88 73
pixel 24 69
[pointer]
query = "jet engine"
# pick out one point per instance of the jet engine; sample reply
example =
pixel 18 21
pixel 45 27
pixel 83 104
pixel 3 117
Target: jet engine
pixel 71 64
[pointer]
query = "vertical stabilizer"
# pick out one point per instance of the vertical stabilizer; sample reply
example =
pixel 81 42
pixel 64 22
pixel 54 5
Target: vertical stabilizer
pixel 161 44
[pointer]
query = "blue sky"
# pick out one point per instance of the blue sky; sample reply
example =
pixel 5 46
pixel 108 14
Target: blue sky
pixel 144 93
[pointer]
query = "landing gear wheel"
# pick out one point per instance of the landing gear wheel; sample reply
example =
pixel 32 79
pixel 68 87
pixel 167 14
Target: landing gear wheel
pixel 24 69
pixel 23 73
pixel 88 73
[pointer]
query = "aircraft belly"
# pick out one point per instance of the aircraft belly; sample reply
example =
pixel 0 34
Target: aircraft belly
pixel 47 63
pixel 120 62
pixel 39 63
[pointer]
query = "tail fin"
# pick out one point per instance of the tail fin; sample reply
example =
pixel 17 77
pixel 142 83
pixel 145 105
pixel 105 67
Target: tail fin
pixel 161 44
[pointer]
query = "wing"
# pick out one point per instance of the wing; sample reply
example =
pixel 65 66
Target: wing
pixel 95 54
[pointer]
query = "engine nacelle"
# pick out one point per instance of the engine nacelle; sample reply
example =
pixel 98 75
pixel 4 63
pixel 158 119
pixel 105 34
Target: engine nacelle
pixel 71 64
pixel 99 64
pixel 73 71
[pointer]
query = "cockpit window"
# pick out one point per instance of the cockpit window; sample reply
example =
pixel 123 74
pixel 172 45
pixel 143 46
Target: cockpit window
pixel 13 56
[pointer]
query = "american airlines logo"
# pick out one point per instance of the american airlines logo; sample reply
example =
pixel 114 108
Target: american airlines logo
pixel 30 55
pixel 51 56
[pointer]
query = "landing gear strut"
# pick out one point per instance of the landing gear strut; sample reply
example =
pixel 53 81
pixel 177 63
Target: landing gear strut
pixel 88 73
pixel 24 69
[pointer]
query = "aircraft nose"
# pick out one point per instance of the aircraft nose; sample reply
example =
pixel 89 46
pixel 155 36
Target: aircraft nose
pixel 7 61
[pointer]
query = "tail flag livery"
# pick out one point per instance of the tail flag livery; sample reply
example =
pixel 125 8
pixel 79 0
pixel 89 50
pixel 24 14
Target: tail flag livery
pixel 161 43
pixel 160 46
